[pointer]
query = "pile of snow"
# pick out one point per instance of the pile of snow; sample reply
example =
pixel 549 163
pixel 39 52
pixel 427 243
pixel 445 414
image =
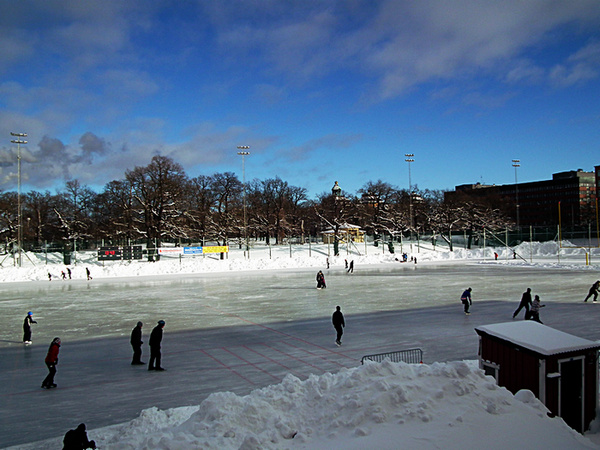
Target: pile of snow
pixel 378 405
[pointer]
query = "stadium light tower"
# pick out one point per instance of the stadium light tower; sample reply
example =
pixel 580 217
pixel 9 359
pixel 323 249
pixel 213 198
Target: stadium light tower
pixel 516 163
pixel 410 157
pixel 19 141
pixel 243 153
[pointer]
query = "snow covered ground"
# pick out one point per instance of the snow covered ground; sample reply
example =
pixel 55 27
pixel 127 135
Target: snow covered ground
pixel 447 404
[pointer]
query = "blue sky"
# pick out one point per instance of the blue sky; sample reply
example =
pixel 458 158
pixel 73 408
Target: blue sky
pixel 320 90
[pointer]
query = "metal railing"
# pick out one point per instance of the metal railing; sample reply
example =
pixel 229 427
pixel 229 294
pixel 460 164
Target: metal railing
pixel 410 356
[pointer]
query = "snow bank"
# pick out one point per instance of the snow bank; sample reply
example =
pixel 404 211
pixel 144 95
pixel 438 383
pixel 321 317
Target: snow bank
pixel 377 405
pixel 37 266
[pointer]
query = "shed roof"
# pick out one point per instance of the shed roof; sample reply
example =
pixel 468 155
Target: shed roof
pixel 537 337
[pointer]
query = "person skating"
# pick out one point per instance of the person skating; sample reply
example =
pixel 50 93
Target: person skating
pixel 136 344
pixel 351 267
pixel 525 303
pixel 88 274
pixel 535 309
pixel 465 298
pixel 77 439
pixel 51 362
pixel 155 341
pixel 27 328
pixel 593 291
pixel 338 323
pixel 321 280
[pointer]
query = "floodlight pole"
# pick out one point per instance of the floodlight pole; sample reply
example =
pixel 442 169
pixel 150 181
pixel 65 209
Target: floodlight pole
pixel 516 163
pixel 19 142
pixel 409 159
pixel 243 154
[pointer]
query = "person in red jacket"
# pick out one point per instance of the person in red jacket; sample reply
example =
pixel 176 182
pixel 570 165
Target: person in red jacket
pixel 51 361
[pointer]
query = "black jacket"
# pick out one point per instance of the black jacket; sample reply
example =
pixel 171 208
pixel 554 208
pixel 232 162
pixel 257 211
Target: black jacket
pixel 136 336
pixel 27 323
pixel 338 319
pixel 156 336
pixel 526 299
pixel 77 440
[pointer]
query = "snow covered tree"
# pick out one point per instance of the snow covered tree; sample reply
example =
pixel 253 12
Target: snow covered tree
pixel 157 190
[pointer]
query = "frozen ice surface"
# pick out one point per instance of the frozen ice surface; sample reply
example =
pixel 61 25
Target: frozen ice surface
pixel 244 330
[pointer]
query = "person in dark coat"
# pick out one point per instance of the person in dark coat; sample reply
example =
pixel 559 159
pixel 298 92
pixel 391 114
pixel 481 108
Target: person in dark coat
pixel 321 280
pixel 51 362
pixel 525 303
pixel 77 439
pixel 338 323
pixel 465 298
pixel 27 328
pixel 351 267
pixel 593 291
pixel 136 344
pixel 155 340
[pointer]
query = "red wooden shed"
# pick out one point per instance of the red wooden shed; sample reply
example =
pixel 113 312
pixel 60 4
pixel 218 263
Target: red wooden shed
pixel 559 368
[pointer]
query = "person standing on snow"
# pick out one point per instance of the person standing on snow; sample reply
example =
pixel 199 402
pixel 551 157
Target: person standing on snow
pixel 535 309
pixel 525 303
pixel 593 291
pixel 51 362
pixel 136 344
pixel 155 341
pixel 338 323
pixel 465 298
pixel 27 328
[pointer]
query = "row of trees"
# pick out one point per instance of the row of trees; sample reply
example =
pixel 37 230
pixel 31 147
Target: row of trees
pixel 159 203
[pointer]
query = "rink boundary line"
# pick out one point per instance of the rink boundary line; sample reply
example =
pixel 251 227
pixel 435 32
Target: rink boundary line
pixel 318 356
pixel 290 370
pixel 293 357
pixel 251 364
pixel 227 367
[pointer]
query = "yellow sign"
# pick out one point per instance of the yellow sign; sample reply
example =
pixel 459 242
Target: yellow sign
pixel 216 249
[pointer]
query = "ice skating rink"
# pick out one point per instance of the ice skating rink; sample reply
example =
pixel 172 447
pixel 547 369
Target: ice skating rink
pixel 239 332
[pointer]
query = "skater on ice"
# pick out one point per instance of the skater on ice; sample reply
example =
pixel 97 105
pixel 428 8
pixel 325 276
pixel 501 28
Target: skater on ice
pixel 465 298
pixel 51 362
pixel 525 303
pixel 136 344
pixel 77 439
pixel 535 309
pixel 351 267
pixel 338 323
pixel 87 272
pixel 155 341
pixel 69 272
pixel 27 328
pixel 593 291
pixel 321 280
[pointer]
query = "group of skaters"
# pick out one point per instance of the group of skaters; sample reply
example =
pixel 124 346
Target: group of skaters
pixel 155 345
pixel 531 306
pixel 337 318
pixel 64 275
pixel 51 359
